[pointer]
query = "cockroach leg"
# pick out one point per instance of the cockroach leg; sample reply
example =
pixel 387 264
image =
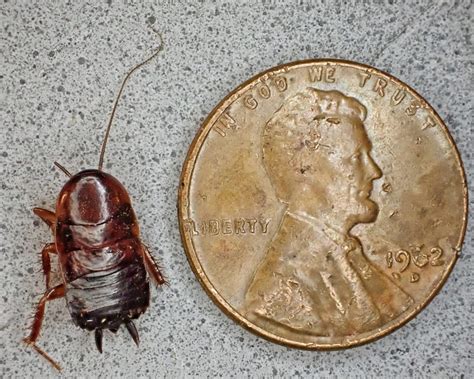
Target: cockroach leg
pixel 49 248
pixel 47 216
pixel 152 267
pixel 47 357
pixel 51 294
pixel 98 339
pixel 133 332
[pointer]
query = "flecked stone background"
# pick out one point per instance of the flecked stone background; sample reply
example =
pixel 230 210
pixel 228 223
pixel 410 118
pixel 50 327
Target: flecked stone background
pixel 60 67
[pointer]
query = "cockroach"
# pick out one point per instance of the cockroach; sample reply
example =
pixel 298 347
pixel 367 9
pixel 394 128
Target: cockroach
pixel 104 266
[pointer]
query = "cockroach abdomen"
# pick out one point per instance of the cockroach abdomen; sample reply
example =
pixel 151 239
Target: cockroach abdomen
pixel 109 298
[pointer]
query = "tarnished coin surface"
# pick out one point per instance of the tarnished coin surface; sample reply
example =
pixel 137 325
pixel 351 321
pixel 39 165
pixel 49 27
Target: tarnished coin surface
pixel 322 204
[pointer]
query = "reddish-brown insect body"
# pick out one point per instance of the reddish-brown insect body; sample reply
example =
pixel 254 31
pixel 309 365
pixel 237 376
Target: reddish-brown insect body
pixel 103 264
pixel 101 257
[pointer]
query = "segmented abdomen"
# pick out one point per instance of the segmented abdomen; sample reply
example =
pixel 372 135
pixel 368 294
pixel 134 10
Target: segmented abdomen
pixel 109 298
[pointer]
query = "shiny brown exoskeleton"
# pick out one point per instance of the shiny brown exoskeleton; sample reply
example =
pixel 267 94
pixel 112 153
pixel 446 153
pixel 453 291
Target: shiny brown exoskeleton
pixel 103 263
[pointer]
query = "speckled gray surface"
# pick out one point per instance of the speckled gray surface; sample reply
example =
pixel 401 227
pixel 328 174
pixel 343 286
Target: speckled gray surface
pixel 60 66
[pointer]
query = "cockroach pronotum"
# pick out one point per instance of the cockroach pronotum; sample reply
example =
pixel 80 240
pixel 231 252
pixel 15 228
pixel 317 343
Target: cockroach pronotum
pixel 103 263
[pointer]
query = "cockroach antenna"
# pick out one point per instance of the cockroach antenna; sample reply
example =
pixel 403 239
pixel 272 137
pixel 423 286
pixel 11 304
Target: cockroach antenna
pixel 62 168
pixel 107 132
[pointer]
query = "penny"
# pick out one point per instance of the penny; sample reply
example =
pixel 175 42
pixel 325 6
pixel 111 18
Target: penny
pixel 322 204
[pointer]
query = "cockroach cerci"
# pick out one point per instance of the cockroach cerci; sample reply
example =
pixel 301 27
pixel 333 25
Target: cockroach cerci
pixel 102 262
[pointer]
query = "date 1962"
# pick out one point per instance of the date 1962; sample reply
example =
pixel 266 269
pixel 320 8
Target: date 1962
pixel 418 256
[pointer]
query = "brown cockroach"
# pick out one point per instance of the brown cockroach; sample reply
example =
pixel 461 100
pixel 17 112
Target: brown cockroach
pixel 102 262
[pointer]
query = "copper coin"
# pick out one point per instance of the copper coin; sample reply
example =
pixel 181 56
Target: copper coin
pixel 322 204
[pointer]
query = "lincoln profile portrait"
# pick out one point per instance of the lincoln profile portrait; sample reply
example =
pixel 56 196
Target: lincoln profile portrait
pixel 314 277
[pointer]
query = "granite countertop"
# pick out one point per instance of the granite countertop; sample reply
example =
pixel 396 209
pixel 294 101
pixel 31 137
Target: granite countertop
pixel 61 65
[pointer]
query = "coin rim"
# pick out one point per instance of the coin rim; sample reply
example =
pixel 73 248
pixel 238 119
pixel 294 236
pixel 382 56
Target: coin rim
pixel 183 206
